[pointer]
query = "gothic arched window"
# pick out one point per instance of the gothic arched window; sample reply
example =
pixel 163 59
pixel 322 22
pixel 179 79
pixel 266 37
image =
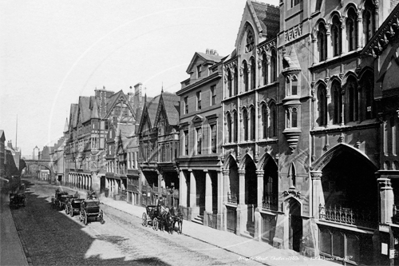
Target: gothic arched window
pixel 322 42
pixel 351 27
pixel 246 78
pixel 337 101
pixel 322 104
pixel 336 36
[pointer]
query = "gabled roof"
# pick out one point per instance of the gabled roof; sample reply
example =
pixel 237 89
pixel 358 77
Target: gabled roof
pixel 84 108
pixel 207 58
pixel 2 135
pixel 114 99
pixel 266 18
pixel 74 115
pixel 171 104
pixel 149 112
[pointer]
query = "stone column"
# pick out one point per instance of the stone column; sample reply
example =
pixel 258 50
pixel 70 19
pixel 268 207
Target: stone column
pixel 220 197
pixel 241 196
pixel 317 192
pixel 329 42
pixel 386 199
pixel 208 192
pixel 260 175
pixel 344 42
pixel 258 216
pixel 359 28
pixel 226 185
pixel 182 189
pixel 193 189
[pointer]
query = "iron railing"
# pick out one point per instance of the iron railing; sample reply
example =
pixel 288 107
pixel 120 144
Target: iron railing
pixel 347 216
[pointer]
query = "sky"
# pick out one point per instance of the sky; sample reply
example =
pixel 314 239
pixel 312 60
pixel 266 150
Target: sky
pixel 53 51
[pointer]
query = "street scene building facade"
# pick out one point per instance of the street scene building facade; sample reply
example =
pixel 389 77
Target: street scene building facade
pixel 201 134
pixel 291 139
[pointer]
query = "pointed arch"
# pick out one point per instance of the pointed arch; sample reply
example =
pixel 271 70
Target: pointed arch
pixel 247 158
pixel 265 159
pixel 337 150
pixel 231 159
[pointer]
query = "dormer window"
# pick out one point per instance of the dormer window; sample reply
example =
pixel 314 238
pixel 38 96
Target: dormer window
pixel 199 69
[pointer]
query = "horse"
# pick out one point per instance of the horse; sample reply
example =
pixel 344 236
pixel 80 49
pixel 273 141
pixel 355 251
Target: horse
pixel 177 217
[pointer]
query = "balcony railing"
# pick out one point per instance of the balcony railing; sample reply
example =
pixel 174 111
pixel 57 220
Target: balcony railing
pixel 270 202
pixel 347 216
pixel 232 198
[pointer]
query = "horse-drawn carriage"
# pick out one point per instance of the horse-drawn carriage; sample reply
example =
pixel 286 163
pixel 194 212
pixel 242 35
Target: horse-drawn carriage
pixel 17 197
pixel 60 199
pixel 73 206
pixel 90 210
pixel 162 218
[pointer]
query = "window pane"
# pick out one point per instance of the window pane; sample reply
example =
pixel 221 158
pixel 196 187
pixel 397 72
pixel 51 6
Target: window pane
pixel 352 248
pixel 338 244
pixel 325 241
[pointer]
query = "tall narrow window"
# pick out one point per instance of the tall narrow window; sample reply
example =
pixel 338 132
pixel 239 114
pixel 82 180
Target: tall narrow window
pixel 235 80
pixel 265 69
pixel 292 176
pixel 186 105
pixel 294 116
pixel 322 105
pixel 229 131
pixel 253 124
pixel 351 27
pixel 186 142
pixel 265 119
pixel 198 100
pixel 229 81
pixel 245 123
pixel 352 99
pixel 199 70
pixel 213 138
pixel 294 85
pixel 235 116
pixel 245 73
pixel 199 140
pixel 337 102
pixel 369 20
pixel 253 74
pixel 273 120
pixel 336 36
pixel 322 42
pixel 273 65
pixel 213 94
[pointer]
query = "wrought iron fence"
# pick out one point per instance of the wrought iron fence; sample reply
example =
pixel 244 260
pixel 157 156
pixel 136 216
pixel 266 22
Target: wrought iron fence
pixel 348 216
pixel 232 198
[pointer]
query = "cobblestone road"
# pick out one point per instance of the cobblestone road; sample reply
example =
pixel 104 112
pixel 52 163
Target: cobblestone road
pixel 50 237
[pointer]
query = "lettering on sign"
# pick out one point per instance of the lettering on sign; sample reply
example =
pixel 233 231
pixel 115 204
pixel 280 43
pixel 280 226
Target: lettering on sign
pixel 293 33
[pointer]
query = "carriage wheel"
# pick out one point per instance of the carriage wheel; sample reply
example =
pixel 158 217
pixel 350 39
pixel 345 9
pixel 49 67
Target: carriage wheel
pixel 66 210
pixel 144 218
pixel 85 219
pixel 155 224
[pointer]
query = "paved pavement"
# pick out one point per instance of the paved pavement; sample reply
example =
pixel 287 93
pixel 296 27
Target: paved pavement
pixel 244 247
pixel 11 252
